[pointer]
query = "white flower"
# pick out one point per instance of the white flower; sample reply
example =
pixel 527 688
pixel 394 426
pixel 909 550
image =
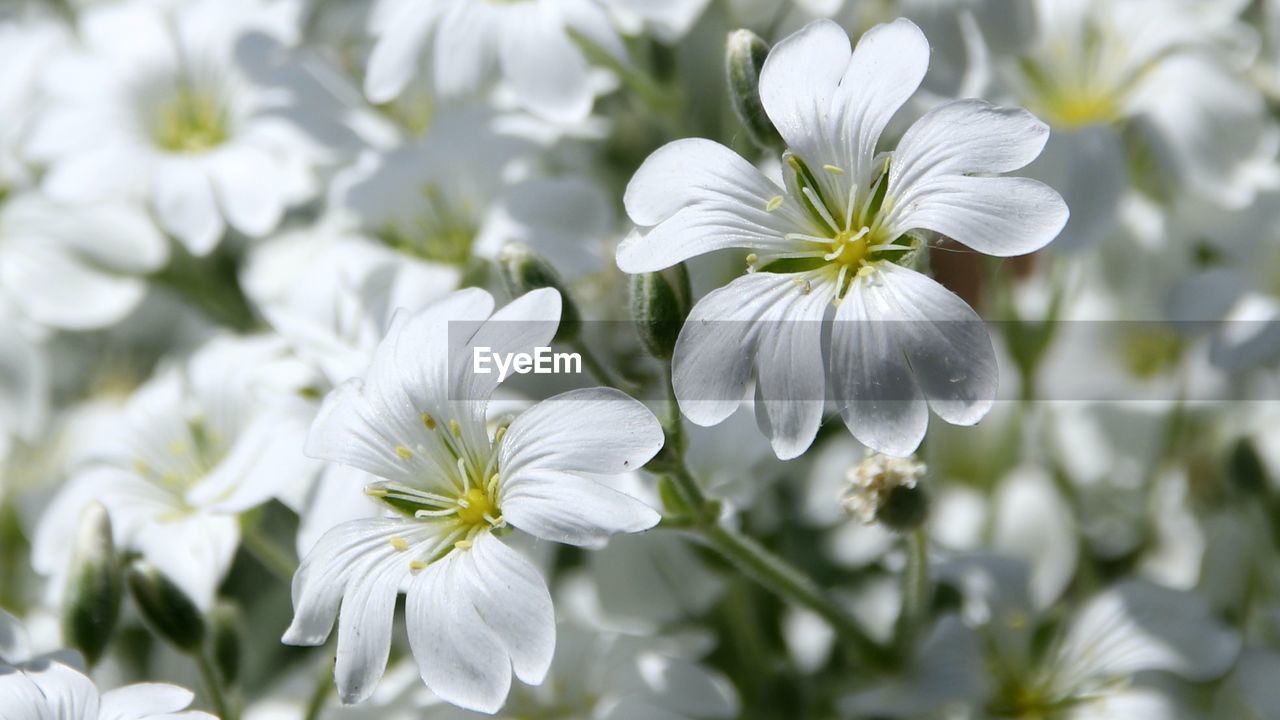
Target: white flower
pixel 194 108
pixel 528 42
pixel 847 224
pixel 49 688
pixel 463 191
pixel 1145 93
pixel 195 446
pixel 76 268
pixel 475 609
pixel 25 47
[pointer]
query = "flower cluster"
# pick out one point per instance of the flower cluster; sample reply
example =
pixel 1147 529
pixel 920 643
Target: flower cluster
pixel 580 359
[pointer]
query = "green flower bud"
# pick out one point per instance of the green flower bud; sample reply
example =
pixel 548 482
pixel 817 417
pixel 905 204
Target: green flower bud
pixel 744 55
pixel 523 270
pixel 226 627
pixel 1245 468
pixel 94 586
pixel 660 302
pixel 166 607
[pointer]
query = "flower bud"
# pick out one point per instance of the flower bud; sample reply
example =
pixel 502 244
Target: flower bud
pixel 1245 468
pixel 886 490
pixel 744 56
pixel 166 607
pixel 523 270
pixel 225 625
pixel 660 302
pixel 94 585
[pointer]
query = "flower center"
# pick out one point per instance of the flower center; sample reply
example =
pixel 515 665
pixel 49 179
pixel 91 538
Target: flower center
pixel 443 232
pixel 1081 81
pixel 849 247
pixel 191 120
pixel 475 506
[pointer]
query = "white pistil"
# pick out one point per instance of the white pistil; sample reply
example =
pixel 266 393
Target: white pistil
pixel 820 207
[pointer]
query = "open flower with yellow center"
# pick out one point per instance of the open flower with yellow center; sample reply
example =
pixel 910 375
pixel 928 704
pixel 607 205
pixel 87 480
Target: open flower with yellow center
pixel 190 450
pixel 452 485
pixel 1147 95
pixel 843 232
pixel 196 108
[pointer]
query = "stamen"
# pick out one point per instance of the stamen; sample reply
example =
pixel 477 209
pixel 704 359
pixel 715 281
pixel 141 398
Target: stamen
pixel 833 169
pixel 774 203
pixel 425 514
pixel 417 565
pixel 376 492
pixel 463 544
pixel 821 208
pixel 456 428
pixel 398 543
pixel 404 452
pixel 429 421
pixel 752 258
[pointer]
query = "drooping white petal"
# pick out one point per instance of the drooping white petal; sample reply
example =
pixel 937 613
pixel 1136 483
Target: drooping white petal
pixel 48 691
pixel 143 700
pixel 791 380
pixel 194 551
pixel 878 398
pixel 945 341
pixel 699 196
pixel 459 656
pixel 511 597
pixel 322 579
pixel 715 352
pixel 366 619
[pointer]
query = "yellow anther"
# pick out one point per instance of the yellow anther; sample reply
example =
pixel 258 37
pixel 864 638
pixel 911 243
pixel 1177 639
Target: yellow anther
pixel 417 565
pixel 404 452
pixel 833 169
pixel 376 492
pixel 499 434
pixel 463 544
pixel 456 428
pixel 774 203
pixel 429 421
pixel 141 467
pixel 398 543
pixel 752 258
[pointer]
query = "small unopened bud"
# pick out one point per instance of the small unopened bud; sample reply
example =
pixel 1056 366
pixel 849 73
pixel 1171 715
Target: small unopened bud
pixel 660 302
pixel 226 627
pixel 166 607
pixel 1245 468
pixel 94 587
pixel 884 489
pixel 523 270
pixel 744 55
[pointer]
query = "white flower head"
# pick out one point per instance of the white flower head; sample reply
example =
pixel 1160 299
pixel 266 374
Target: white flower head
pixel 528 43
pixel 192 448
pixel 53 691
pixel 846 227
pixel 195 108
pixel 475 609
pixel 76 268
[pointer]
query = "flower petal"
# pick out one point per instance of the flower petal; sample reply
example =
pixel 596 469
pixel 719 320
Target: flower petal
pixel 791 379
pixel 966 137
pixel 512 598
pixel 54 289
pixel 246 180
pixel 458 655
pixel 543 65
pixel 1001 216
pixel 878 397
pixel 830 105
pixel 699 196
pixel 593 430
pixel 398 52
pixel 945 341
pixel 571 509
pixel 185 205
pixel 716 350
pixel 143 700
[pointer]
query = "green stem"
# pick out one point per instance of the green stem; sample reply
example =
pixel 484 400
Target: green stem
pixel 277 560
pixel 916 591
pixel 213 685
